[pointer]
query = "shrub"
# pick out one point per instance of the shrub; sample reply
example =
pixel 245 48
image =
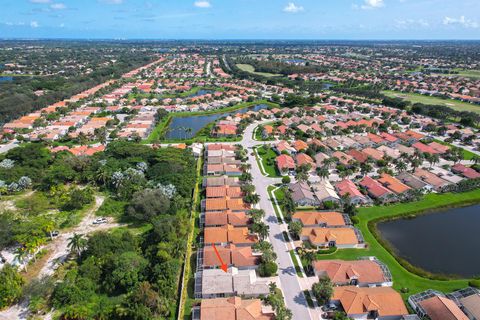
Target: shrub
pixel 267 269
pixel 474 283
pixel 286 180
pixel 355 220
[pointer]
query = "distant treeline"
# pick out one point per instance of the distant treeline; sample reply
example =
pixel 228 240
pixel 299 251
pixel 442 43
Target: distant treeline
pixel 17 97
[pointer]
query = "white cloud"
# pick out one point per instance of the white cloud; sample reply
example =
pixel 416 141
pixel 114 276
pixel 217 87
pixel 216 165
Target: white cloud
pixel 40 1
pixel 111 1
pixel 462 21
pixel 411 23
pixel 292 8
pixel 372 4
pixel 202 4
pixel 58 6
pixel 34 24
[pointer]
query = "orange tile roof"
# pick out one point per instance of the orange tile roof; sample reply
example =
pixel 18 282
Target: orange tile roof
pixel 308 218
pixel 341 272
pixel 393 184
pixel 384 300
pixel 319 236
pixel 233 308
pixel 440 308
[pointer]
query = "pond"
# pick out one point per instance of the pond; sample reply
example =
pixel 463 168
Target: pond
pixel 200 92
pixel 446 242
pixel 6 78
pixel 179 127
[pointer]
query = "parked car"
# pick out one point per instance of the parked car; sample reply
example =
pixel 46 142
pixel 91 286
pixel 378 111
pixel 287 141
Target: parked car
pixel 100 221
pixel 55 233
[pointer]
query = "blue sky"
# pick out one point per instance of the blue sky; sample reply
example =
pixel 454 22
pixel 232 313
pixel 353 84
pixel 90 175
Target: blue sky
pixel 241 19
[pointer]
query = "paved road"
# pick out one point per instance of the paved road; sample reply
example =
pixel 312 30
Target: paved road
pixel 294 297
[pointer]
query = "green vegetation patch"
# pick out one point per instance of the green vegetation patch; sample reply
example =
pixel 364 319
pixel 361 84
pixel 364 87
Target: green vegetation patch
pixel 251 69
pixel 298 269
pixel 419 98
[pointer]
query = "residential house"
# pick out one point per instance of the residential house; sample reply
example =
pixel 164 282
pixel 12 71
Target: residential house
pixel 285 163
pixel 346 237
pixel 235 282
pixel 229 235
pixel 393 184
pixel 362 273
pixel 436 182
pixel 380 303
pixel 346 188
pixel 240 257
pixel 233 308
pixel 302 194
pixel 325 192
pixel 467 172
pixel 376 190
pixel 319 218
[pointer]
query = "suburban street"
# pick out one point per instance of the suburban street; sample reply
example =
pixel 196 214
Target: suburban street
pixel 292 290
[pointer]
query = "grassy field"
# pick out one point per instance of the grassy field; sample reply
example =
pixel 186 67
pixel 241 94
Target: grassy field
pixel 268 160
pixel 419 98
pixel 473 74
pixel 402 278
pixel 251 69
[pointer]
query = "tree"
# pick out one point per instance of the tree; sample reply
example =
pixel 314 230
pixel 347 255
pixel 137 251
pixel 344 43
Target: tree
pixel 295 228
pixel 286 180
pixel 10 286
pixel 309 257
pixel 323 172
pixel 126 271
pixel 257 215
pixel 147 204
pixel 267 269
pixel 261 229
pixel 323 290
pixel 252 198
pixel 77 243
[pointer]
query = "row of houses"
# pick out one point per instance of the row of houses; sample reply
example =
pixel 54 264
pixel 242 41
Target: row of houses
pixel 226 236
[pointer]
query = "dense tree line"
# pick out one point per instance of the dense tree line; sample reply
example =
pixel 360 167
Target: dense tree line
pixel 17 97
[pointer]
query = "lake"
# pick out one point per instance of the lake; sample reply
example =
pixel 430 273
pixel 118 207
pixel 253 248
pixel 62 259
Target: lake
pixel 6 78
pixel 446 242
pixel 176 129
pixel 200 92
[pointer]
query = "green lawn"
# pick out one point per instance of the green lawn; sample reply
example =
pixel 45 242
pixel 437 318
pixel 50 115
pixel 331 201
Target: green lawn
pixel 267 157
pixel 419 98
pixel 309 299
pixel 251 69
pixel 403 278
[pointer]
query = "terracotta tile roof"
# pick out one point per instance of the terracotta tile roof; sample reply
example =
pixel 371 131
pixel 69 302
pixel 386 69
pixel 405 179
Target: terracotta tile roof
pixel 384 300
pixel 303 158
pixel 393 184
pixel 348 187
pixel 358 155
pixel 221 218
pixel 319 236
pixel 373 153
pixel 341 272
pixel 374 188
pixel 440 308
pixel 233 308
pixel 308 218
pixel 284 161
pixel 465 171
pixel 229 234
pixel 224 191
pixel 300 145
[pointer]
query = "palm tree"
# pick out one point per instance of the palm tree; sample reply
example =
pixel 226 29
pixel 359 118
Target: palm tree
pixel 21 255
pixel 401 166
pixel 323 172
pixel 77 243
pixel 261 229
